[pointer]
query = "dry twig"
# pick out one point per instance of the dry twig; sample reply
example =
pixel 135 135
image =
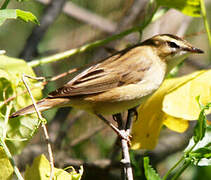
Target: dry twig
pixel 51 12
pixel 43 126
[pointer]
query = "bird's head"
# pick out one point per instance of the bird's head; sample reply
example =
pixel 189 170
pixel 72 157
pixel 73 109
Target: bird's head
pixel 171 49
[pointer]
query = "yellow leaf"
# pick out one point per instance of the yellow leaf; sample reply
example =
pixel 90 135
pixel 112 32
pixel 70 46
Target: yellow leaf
pixel 146 129
pixel 176 124
pixel 40 170
pixel 181 103
pixel 5 166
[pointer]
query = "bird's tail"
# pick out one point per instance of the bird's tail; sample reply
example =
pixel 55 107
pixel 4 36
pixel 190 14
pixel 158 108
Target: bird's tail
pixel 42 105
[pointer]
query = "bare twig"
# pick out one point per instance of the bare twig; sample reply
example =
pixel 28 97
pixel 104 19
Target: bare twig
pixel 86 16
pixel 44 128
pixel 132 14
pixel 50 14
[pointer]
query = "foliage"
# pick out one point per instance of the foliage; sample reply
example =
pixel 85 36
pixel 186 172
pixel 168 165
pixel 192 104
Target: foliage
pixel 16 132
pixel 188 7
pixel 40 170
pixel 150 173
pixel 5 166
pixel 198 151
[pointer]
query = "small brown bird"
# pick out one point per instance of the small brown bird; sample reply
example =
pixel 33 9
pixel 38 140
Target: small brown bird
pixel 121 81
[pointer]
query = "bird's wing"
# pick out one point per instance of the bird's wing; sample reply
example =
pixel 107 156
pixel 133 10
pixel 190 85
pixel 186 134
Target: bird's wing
pixel 118 70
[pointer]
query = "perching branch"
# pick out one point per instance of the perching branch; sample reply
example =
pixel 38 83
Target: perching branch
pixel 127 173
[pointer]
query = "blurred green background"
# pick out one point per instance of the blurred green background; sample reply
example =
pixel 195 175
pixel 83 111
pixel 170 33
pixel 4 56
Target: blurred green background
pixel 67 32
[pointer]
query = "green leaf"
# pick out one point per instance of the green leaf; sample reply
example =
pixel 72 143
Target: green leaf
pixel 17 13
pixel 5 166
pixel 18 130
pixel 40 170
pixel 150 173
pixel 201 154
pixel 200 128
pixel 188 7
pixel 26 16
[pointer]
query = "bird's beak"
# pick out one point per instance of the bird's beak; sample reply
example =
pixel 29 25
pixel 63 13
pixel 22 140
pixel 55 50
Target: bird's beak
pixel 193 50
pixel 196 50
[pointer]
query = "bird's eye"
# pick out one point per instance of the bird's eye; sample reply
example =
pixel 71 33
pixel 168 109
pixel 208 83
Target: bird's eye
pixel 173 44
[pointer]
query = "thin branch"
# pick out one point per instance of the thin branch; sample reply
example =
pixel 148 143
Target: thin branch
pixel 51 12
pixel 86 16
pixel 133 13
pixel 127 169
pixel 44 128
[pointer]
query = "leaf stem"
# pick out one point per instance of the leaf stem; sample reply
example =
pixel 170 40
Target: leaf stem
pixel 178 162
pixel 59 56
pixel 182 169
pixel 204 16
pixel 170 170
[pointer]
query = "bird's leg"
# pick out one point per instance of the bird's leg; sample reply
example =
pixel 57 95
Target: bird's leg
pixel 120 133
pixel 121 126
pixel 118 119
pixel 131 113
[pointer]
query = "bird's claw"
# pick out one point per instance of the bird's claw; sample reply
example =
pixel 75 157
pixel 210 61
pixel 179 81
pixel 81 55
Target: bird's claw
pixel 125 135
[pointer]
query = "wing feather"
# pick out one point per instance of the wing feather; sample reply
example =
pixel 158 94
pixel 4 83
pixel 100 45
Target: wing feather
pixel 118 70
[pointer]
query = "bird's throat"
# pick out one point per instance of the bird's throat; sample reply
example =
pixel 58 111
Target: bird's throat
pixel 175 60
